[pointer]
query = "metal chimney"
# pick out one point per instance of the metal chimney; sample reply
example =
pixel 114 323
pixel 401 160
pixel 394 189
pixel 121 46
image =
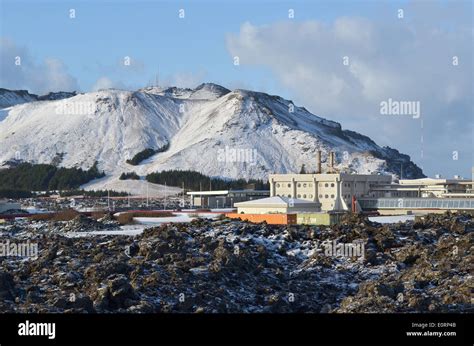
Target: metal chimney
pixel 318 162
pixel 331 161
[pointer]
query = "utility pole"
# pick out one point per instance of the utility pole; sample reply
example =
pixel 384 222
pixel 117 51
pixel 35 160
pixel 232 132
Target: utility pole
pixel 147 195
pixel 182 206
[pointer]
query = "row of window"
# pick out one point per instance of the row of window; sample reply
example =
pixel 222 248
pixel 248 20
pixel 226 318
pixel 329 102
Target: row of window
pixel 311 185
pixel 299 185
pixel 326 196
pixel 326 185
pixel 418 203
pixel 349 184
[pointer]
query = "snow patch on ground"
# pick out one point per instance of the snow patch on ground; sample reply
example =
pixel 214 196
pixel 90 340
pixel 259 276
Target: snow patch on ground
pixel 392 218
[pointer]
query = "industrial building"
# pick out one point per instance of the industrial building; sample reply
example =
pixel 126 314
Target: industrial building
pixel 224 198
pixel 333 191
pixel 322 198
pixel 426 188
pixel 356 192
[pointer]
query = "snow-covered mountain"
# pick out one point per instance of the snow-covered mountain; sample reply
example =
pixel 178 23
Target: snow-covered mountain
pixel 234 134
pixel 10 98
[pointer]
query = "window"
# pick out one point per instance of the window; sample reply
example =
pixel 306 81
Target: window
pixel 299 196
pixel 278 185
pixel 332 184
pixel 310 196
pixel 326 185
pixel 299 185
pixel 304 196
pixel 310 185
pixel 304 185
pixel 326 196
pixel 332 196
pixel 289 185
pixel 289 196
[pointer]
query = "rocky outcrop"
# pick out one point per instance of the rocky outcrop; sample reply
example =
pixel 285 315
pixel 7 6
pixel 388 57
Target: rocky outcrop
pixel 232 266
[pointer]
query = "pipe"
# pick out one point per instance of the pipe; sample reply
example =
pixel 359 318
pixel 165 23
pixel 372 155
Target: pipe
pixel 331 162
pixel 318 162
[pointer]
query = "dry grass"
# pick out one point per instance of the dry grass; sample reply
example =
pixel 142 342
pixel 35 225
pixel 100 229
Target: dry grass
pixel 63 215
pixel 124 218
pixel 42 217
pixel 127 218
pixel 96 215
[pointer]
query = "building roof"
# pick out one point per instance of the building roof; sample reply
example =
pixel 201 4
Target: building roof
pixel 224 192
pixel 276 201
pixel 208 193
pixel 432 181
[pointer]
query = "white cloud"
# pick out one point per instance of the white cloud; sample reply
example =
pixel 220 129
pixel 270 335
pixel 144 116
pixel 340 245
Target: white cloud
pixel 36 77
pixel 107 83
pixel 409 59
pixel 185 79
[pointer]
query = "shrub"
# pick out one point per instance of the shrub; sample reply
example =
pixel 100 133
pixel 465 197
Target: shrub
pixel 196 181
pixel 34 177
pixel 129 175
pixel 145 154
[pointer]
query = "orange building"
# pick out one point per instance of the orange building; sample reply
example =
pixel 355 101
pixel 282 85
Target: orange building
pixel 271 219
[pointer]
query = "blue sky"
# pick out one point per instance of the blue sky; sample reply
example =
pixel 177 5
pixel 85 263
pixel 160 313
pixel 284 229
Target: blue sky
pixel 153 35
pixel 407 58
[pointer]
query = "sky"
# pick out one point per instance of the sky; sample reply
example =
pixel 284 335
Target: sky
pixel 339 59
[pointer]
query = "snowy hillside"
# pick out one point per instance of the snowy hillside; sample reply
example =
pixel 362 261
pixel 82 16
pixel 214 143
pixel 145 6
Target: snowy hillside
pixel 10 98
pixel 204 128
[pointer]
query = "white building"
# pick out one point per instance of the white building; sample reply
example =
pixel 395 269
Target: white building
pixel 333 190
pixel 277 204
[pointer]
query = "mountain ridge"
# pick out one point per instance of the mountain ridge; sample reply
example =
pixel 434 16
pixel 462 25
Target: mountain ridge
pixel 196 125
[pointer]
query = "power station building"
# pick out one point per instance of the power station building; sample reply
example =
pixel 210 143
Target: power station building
pixel 333 191
pixel 344 192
